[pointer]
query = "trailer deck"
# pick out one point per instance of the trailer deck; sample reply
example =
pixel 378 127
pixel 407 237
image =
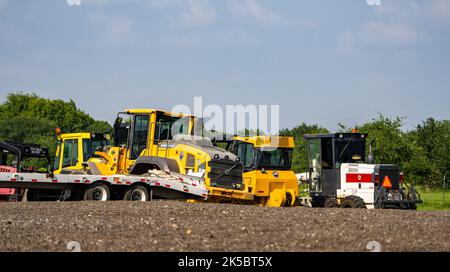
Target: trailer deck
pixel 164 184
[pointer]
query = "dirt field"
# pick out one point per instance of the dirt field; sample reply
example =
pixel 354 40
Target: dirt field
pixel 180 226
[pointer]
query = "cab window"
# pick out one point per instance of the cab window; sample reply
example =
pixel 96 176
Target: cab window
pixel 168 126
pixel 246 154
pixel 140 134
pixel 70 153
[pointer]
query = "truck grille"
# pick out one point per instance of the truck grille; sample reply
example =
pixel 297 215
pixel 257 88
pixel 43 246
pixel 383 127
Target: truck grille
pixel 225 173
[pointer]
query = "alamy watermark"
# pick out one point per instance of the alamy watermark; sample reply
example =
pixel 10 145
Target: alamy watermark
pixel 73 246
pixel 374 3
pixel 373 246
pixel 231 120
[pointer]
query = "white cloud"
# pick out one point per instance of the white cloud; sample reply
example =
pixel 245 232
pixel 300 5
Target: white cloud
pixel 346 42
pixel 112 29
pixel 199 14
pixel 251 8
pixel 379 33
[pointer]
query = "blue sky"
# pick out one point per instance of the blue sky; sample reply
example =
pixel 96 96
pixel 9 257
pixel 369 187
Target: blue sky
pixel 323 61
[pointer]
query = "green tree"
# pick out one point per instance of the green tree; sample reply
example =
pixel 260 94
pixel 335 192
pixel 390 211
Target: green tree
pixel 32 119
pixel 390 143
pixel 432 138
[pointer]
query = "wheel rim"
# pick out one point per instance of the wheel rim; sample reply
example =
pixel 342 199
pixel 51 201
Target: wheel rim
pixel 138 195
pixel 99 194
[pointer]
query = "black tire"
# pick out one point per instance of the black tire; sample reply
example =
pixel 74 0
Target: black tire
pixel 97 192
pixel 412 206
pixel 137 193
pixel 354 202
pixel 331 203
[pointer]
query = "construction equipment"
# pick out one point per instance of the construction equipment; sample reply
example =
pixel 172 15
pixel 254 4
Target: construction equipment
pixel 73 149
pixel 267 168
pixel 340 175
pixel 149 139
pixel 19 180
pixel 23 158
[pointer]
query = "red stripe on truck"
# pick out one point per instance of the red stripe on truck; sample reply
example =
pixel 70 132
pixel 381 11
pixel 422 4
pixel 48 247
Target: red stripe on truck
pixel 358 178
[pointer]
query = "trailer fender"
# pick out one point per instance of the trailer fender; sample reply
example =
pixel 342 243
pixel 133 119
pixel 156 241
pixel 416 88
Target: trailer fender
pixel 143 164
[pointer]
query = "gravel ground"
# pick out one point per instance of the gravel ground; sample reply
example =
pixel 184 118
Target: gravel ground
pixel 180 226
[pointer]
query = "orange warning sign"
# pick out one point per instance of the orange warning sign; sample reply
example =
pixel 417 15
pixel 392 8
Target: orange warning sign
pixel 386 183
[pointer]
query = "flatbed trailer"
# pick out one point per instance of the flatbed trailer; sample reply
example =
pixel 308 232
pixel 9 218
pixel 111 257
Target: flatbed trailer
pixel 156 184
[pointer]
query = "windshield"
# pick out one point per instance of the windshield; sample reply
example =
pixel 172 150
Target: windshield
pixel 169 126
pixel 92 145
pixel 350 150
pixel 278 159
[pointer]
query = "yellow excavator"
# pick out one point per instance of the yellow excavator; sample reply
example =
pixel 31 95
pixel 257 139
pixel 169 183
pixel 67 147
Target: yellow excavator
pixel 150 139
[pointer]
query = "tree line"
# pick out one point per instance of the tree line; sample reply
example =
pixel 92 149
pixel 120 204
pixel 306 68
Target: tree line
pixel 29 118
pixel 422 153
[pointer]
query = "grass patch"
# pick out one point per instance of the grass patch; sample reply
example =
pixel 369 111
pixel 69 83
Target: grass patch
pixel 434 199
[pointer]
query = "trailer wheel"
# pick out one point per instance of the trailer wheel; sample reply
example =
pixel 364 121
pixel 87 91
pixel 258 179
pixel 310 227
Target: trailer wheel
pixel 97 192
pixel 331 202
pixel 136 193
pixel 354 202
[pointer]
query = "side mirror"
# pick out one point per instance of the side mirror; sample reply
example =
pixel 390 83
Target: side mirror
pixel 118 122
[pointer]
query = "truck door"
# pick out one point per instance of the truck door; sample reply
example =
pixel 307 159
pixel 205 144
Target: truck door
pixel 139 136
